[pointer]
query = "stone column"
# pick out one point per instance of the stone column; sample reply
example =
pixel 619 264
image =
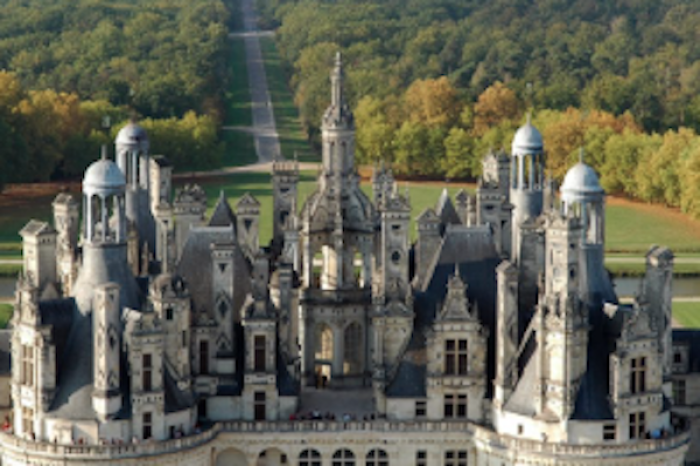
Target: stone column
pixel 338 350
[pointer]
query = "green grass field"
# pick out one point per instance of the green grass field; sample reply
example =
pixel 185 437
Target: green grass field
pixel 292 138
pixel 633 228
pixel 687 313
pixel 629 229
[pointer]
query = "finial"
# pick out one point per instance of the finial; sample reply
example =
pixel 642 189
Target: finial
pixel 529 117
pixel 338 60
pixel 580 154
pixel 104 152
pixel 221 195
pixel 457 270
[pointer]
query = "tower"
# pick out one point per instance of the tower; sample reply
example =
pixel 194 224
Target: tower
pixel 260 335
pixel 583 198
pixel 492 198
pixel 393 278
pixel 248 219
pixel 285 176
pixel 131 146
pixel 189 206
pixel 526 183
pixel 39 251
pixel 66 222
pixel 106 394
pixel 507 337
pixel 562 320
pixel 104 236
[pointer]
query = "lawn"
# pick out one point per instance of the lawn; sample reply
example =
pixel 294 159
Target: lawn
pixel 634 227
pixel 291 135
pixel 259 185
pixel 630 227
pixel 5 314
pixel 687 313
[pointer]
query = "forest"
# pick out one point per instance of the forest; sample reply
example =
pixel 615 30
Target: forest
pixel 68 64
pixel 435 84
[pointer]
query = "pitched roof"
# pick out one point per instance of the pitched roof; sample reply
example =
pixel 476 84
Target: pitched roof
pixel 222 216
pixel 446 210
pixel 36 227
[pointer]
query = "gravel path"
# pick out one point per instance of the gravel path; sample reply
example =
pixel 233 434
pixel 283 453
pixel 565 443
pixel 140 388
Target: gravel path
pixel 267 144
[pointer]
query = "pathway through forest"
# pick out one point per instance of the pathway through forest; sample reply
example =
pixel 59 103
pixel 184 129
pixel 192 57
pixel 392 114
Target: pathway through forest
pixel 264 130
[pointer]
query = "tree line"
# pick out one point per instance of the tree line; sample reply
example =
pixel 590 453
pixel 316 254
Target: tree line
pixel 436 83
pixel 69 63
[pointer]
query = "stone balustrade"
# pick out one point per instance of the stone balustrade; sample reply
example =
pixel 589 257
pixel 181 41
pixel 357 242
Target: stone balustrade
pixel 477 432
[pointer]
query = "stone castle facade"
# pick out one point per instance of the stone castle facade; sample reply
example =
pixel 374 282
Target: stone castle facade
pixel 147 333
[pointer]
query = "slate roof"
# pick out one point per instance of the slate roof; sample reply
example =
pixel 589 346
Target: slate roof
pixel 74 380
pixel 222 216
pixel 196 267
pixel 477 261
pixel 446 210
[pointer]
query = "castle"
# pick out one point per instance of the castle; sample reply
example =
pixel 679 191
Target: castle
pixel 145 333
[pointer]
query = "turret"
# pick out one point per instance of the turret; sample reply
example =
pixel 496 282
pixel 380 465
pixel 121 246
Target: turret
pixel 583 198
pixel 526 183
pixel 104 236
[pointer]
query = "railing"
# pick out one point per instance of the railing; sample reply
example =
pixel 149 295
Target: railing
pixel 606 450
pixel 479 433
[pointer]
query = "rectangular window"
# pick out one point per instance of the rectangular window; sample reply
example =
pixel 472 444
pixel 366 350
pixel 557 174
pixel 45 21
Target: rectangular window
pixel 259 406
pixel 27 420
pixel 456 357
pixel 637 425
pixel 456 458
pixel 420 408
pixel 609 431
pixel 455 406
pixel 679 392
pixel 259 353
pixel 421 458
pixel 203 357
pixel 638 375
pixel 27 355
pixel 147 373
pixel 147 426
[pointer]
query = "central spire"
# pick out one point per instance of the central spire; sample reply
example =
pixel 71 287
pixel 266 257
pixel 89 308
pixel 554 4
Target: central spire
pixel 337 82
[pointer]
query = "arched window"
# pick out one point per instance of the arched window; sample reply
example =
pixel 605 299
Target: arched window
pixel 377 458
pixel 310 458
pixel 324 342
pixel 343 457
pixel 353 349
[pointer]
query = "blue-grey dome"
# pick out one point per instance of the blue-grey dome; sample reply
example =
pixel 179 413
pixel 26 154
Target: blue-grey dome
pixel 527 140
pixel 581 178
pixel 132 136
pixel 103 175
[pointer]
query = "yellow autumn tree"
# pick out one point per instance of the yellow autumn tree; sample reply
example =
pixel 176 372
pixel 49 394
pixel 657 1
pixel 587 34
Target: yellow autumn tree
pixel 432 102
pixel 496 104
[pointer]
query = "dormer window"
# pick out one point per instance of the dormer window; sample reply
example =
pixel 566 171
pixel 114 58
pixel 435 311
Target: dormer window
pixel 456 357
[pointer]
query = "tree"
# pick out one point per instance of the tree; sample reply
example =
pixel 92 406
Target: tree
pixel 432 102
pixel 460 159
pixel 495 105
pixel 374 133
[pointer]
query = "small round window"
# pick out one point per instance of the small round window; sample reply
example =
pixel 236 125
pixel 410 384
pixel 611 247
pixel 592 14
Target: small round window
pixel 395 257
